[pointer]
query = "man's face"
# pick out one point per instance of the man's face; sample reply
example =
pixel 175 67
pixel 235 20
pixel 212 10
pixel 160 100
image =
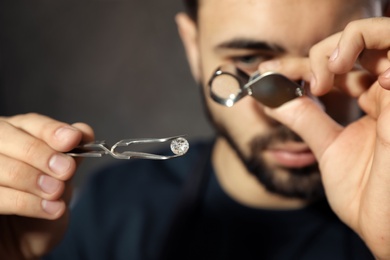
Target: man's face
pixel 246 32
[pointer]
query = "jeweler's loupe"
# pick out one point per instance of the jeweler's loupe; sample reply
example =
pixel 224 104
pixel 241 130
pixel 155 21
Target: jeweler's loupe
pixel 229 84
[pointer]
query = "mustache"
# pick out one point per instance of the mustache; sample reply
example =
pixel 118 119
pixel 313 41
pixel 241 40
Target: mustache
pixel 278 134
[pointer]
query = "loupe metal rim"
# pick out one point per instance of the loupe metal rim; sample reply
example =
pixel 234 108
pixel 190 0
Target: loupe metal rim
pixel 233 98
pixel 230 101
pixel 246 89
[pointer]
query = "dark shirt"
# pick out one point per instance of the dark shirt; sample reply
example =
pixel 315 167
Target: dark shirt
pixel 176 209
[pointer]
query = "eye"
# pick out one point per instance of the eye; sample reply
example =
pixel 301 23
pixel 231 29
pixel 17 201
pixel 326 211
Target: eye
pixel 249 63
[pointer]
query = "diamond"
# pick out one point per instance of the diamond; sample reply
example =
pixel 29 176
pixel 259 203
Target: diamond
pixel 180 146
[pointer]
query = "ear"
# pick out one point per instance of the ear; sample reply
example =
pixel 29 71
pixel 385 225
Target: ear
pixel 189 35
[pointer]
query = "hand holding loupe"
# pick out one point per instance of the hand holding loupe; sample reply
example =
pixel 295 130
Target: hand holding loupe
pixel 230 84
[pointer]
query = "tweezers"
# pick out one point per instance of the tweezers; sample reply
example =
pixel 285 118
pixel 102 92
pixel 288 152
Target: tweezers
pixel 178 144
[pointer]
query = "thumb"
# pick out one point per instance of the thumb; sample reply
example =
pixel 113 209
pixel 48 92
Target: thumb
pixel 306 118
pixel 384 79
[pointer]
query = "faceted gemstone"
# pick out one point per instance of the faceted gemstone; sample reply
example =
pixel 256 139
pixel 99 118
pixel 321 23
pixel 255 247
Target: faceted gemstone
pixel 180 146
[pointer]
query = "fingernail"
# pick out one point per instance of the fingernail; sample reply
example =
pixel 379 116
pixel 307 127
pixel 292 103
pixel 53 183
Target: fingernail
pixel 52 207
pixel 334 55
pixel 66 132
pixel 48 184
pixel 386 74
pixel 60 164
pixel 271 65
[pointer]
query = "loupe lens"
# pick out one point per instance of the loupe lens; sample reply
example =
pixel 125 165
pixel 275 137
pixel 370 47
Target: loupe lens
pixel 225 86
pixel 273 90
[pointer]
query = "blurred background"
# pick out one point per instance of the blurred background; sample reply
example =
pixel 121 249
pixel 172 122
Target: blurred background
pixel 116 65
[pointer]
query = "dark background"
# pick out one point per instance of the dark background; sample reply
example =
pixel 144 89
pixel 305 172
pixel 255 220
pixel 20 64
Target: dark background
pixel 116 65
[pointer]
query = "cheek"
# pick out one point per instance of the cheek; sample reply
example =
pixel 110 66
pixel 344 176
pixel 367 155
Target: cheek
pixel 243 115
pixel 244 121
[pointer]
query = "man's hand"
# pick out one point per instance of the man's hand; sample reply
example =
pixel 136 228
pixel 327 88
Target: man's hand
pixel 33 182
pixel 354 160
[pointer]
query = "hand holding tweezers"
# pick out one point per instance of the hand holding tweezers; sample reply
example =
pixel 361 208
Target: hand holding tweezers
pixel 179 146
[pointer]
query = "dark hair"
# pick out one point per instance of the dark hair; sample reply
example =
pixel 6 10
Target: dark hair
pixel 192 8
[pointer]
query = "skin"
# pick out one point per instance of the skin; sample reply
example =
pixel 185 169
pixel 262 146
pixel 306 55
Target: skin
pixel 353 160
pixel 357 183
pixel 247 121
pixel 34 183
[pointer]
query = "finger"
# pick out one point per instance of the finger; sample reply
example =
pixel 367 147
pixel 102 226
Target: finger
pixel 322 80
pixel 384 79
pixel 58 135
pixel 309 121
pixel 19 145
pixel 374 100
pixel 374 61
pixel 354 83
pixel 359 35
pixel 88 136
pixel 295 68
pixel 15 202
pixel 21 176
pixel 88 133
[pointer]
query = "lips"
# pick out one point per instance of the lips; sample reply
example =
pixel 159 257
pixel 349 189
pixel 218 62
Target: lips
pixel 292 155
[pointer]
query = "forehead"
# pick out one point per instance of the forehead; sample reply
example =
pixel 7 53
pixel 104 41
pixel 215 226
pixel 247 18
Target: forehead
pixel 295 23
pixel 285 8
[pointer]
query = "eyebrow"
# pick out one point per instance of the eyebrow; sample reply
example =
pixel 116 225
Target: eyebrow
pixel 242 43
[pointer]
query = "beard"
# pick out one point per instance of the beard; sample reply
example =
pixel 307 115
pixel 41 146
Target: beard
pixel 302 183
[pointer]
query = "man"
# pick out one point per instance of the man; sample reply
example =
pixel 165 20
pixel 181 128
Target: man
pixel 258 191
